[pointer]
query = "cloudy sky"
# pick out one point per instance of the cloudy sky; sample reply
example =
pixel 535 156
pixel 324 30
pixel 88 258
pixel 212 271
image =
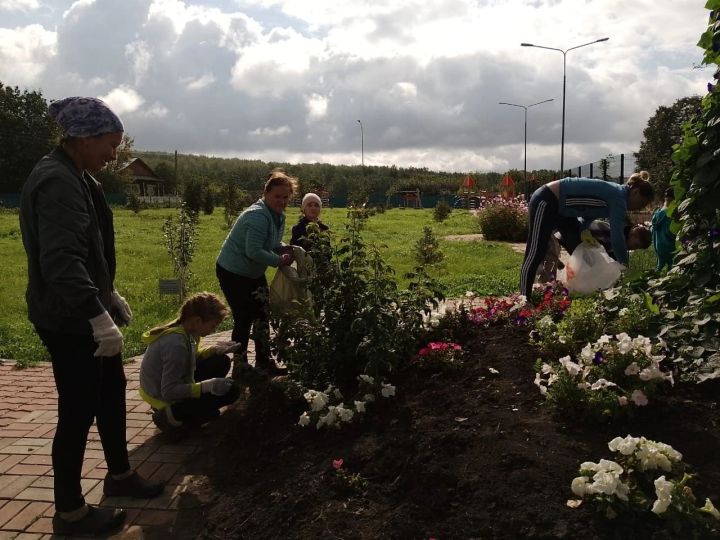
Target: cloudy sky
pixel 288 80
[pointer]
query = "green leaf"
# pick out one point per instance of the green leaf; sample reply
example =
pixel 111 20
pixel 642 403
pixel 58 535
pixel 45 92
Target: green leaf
pixel 651 305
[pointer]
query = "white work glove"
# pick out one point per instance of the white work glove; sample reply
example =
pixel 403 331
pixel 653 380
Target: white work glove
pixel 226 347
pixel 286 259
pixel 107 335
pixel 217 387
pixel 120 309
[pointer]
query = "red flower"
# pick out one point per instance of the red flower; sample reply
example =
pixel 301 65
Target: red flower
pixel 337 463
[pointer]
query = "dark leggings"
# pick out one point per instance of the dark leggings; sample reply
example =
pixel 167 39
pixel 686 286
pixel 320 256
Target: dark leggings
pixel 207 406
pixel 248 300
pixel 543 219
pixel 89 388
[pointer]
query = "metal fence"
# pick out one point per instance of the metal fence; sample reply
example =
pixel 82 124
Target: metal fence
pixel 615 168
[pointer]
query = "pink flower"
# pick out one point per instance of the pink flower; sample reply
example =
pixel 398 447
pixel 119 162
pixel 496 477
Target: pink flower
pixel 639 398
pixel 337 463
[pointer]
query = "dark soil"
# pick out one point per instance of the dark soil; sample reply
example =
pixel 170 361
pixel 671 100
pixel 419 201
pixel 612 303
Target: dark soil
pixel 459 453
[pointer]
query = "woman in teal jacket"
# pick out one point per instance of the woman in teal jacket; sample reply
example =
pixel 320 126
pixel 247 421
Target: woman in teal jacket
pixel 254 243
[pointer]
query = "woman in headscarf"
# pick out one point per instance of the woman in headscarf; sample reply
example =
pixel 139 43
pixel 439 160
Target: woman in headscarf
pixel 67 230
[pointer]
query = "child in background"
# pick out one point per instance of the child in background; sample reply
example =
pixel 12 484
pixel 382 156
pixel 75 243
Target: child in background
pixel 182 382
pixel 310 207
pixel 663 239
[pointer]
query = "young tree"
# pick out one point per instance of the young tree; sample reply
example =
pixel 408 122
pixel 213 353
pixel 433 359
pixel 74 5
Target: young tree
pixel 26 134
pixel 663 131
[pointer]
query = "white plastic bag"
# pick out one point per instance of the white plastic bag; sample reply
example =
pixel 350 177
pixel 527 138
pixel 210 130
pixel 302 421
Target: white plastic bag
pixel 591 269
pixel 288 290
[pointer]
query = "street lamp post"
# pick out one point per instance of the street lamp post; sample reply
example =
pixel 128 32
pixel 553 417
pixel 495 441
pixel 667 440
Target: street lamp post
pixel 362 145
pixel 564 53
pixel 525 107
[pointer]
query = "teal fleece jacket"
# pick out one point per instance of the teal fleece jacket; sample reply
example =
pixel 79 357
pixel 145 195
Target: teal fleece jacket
pixel 253 242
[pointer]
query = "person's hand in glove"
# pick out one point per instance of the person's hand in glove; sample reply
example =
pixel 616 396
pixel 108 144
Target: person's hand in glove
pixel 120 309
pixel 226 347
pixel 587 237
pixel 217 387
pixel 107 335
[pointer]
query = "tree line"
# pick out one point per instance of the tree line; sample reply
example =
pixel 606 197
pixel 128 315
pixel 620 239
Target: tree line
pixel 27 133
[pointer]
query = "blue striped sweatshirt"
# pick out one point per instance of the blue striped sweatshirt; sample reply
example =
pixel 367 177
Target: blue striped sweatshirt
pixel 591 199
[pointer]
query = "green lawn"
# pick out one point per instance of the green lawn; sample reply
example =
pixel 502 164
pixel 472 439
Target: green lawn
pixel 487 268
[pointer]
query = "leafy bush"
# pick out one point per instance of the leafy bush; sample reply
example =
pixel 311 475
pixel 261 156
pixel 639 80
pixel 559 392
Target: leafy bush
pixel 180 232
pixel 193 195
pixel 427 249
pixel 504 220
pixel 442 211
pixel 133 201
pixel 689 294
pixel 361 323
pixel 208 199
pixel 606 379
pixel 648 479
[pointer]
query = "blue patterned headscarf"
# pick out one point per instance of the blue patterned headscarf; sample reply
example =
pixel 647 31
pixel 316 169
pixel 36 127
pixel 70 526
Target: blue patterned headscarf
pixel 84 117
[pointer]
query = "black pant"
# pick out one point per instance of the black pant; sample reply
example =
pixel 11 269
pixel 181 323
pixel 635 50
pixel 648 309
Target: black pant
pixel 207 406
pixel 88 388
pixel 248 300
pixel 544 218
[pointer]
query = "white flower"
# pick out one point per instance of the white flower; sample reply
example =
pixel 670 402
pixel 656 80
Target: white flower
pixel 625 344
pixel 601 383
pixel 337 393
pixel 623 312
pixel 709 508
pixel 632 369
pixel 605 482
pixel 604 339
pixel 663 491
pixel 562 339
pixel 345 415
pixel 625 446
pixel 360 406
pixel 329 419
pixel 493 371
pixel 469 294
pixel 623 401
pixel 369 398
pixel 546 368
pixel 642 343
pixel 304 420
pixel 651 372
pixel 651 458
pixel 388 390
pixel 589 466
pixel 639 398
pixel 580 486
pixel 587 353
pixel 316 400
pixel 545 321
pixel 609 294
pixel 572 368
pixel 608 465
pixel 366 378
pixel 540 383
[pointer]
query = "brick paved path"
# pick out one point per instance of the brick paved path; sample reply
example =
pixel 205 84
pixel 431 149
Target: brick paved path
pixel 28 413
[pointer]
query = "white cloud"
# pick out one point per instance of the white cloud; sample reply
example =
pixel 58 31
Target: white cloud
pixel 424 77
pixel 24 53
pixel 201 82
pixel 123 100
pixel 317 106
pixel 19 5
pixel 270 132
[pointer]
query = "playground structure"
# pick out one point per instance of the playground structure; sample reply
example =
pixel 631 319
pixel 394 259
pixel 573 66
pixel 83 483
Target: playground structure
pixel 507 187
pixel 407 199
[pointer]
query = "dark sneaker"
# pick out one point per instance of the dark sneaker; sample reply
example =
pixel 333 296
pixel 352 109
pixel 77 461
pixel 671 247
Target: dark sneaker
pixel 163 423
pixel 97 522
pixel 133 486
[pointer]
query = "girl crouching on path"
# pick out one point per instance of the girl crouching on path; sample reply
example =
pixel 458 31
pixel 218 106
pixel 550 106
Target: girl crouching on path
pixel 556 203
pixel 182 382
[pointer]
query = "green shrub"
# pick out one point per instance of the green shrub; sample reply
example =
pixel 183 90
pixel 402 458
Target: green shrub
pixel 427 249
pixel 133 201
pixel 193 195
pixel 504 220
pixel 361 322
pixel 442 211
